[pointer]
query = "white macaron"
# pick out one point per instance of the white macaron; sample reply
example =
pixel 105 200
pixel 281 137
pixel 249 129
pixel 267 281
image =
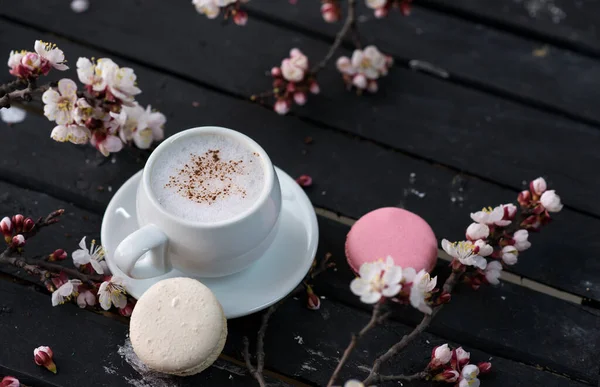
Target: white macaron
pixel 178 327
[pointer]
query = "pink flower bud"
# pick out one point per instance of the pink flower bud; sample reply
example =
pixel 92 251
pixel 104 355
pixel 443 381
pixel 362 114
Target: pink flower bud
pixel 314 87
pixel 10 381
pixel 381 12
pixel 281 107
pixel 484 367
pixel 43 357
pixel 449 376
pixel 18 240
pixel 291 87
pixel 6 226
pixel 524 198
pixel 477 231
pixel 240 18
pixel 313 302
pixel 440 356
pixel 127 309
pixel 300 98
pixel 330 12
pixel 551 201
pixel 28 224
pixel 360 81
pixel 372 86
pixel 86 298
pixel 444 298
pixel 276 72
pixel 304 181
pixel 405 7
pixel 17 222
pixel 461 356
pixel 538 186
pixel 510 210
pixel 57 255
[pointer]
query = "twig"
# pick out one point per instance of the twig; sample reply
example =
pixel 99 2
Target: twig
pixel 349 24
pixel 257 372
pixel 44 221
pixel 25 94
pixel 376 318
pixel 10 86
pixel 407 339
pixel 405 378
pixel 258 376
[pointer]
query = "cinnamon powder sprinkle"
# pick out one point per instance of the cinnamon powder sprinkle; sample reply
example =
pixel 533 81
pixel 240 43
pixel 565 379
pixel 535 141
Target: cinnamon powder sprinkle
pixel 207 178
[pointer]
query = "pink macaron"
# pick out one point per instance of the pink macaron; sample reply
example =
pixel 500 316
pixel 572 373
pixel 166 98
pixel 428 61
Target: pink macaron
pixel 395 232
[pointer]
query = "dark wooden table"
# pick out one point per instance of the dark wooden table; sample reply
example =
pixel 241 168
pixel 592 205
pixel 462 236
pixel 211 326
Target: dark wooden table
pixel 520 100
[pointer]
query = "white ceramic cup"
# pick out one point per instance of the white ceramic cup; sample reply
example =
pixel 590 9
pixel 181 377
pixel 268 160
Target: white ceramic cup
pixel 199 249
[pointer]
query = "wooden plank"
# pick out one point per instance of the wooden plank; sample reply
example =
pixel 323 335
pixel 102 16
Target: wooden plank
pixel 470 53
pixel 462 128
pixel 566 23
pixel 351 176
pixel 524 325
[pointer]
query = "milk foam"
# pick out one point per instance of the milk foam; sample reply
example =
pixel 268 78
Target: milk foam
pixel 207 178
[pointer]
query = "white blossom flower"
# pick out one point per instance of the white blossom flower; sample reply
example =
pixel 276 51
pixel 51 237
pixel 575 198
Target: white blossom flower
pixel 141 126
pixel 119 80
pixel 482 248
pixel 14 61
pixel 106 143
pixel 344 65
pixel 492 272
pixel 73 133
pixel 65 291
pixel 59 105
pixel 360 81
pixel 551 201
pixel 469 376
pixel 86 298
pixel 441 354
pixel 90 74
pixel 477 231
pixel 354 383
pixel 94 256
pixel 290 71
pixel 521 243
pixel 209 8
pixel 13 115
pixel 510 255
pixel 52 54
pixel 422 285
pixel 82 111
pixel 377 279
pixel 464 251
pixel 370 62
pixel 538 186
pixel 490 216
pixel 281 107
pixel 112 293
pixel 375 4
pixel 462 356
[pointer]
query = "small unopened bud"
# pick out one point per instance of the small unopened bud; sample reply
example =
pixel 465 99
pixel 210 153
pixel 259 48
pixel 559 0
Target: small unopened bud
pixel 291 87
pixel 313 301
pixel 43 357
pixel 281 107
pixel 18 240
pixel 57 255
pixel 449 376
pixel 127 309
pixel 28 224
pixel 17 222
pixel 304 181
pixel 330 12
pixel 538 186
pixel 300 98
pixel 6 228
pixel 524 198
pixel 240 18
pixel 381 12
pixel 484 367
pixel 314 87
pixel 10 381
pixel 444 298
pixel 275 72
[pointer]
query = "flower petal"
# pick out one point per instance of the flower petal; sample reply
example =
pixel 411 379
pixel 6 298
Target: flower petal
pixel 67 87
pixel 391 290
pixel 370 298
pixel 359 286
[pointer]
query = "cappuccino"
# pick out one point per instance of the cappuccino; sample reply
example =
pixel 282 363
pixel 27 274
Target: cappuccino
pixel 208 178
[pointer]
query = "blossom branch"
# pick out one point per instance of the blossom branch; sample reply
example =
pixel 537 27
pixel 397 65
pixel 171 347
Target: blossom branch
pixel 25 94
pixel 10 86
pixel 376 318
pixel 405 378
pixel 349 25
pixel 374 375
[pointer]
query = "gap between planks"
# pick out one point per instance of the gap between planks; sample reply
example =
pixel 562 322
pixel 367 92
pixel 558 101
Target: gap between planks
pixel 505 275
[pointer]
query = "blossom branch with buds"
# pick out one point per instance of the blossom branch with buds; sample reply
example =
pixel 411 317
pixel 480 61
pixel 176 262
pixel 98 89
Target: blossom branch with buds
pixel 103 113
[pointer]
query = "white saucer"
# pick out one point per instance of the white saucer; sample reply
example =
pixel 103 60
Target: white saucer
pixel 267 281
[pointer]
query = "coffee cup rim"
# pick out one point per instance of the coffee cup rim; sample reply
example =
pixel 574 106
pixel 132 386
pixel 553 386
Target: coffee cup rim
pixel 263 197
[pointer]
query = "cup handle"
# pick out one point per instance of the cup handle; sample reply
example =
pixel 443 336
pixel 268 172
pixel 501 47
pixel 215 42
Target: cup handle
pixel 148 242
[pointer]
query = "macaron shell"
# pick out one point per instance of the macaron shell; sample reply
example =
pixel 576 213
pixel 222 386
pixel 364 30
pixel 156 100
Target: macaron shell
pixel 178 327
pixel 395 232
